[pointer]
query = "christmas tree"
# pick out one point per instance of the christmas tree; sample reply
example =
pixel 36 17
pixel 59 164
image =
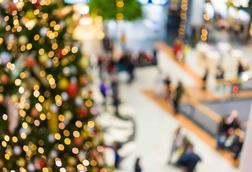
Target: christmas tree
pixel 46 106
pixel 116 9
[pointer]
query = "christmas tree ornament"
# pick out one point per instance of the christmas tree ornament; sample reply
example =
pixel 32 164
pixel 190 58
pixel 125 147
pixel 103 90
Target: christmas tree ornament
pixel 17 150
pixel 23 40
pixel 30 15
pixel 78 101
pixel 83 112
pixel 43 31
pixel 72 161
pixel 12 7
pixel 64 96
pixel 66 71
pixel 43 59
pixel 83 80
pixel 4 79
pixel 78 141
pixel 52 122
pixel 63 84
pixel 34 112
pixel 72 89
pixel 5 58
pixel 31 167
pixel 30 62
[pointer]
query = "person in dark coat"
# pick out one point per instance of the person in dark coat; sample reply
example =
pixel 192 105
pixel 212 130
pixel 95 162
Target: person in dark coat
pixel 130 69
pixel 233 121
pixel 107 44
pixel 204 80
pixel 237 140
pixel 115 87
pixel 137 167
pixel 240 69
pixel 177 98
pixel 167 83
pixel 116 103
pixel 189 160
pixel 222 133
pixel 118 157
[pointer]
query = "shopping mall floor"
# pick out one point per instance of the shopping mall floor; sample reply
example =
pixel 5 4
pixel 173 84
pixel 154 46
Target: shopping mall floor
pixel 153 125
pixel 154 131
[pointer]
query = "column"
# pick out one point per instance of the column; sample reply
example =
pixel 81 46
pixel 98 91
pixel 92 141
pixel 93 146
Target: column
pixel 246 156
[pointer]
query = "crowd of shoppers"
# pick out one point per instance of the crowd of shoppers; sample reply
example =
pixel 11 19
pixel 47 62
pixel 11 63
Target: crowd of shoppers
pixel 230 134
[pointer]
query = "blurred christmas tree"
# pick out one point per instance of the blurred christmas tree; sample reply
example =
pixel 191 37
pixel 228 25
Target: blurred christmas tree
pixel 116 9
pixel 46 107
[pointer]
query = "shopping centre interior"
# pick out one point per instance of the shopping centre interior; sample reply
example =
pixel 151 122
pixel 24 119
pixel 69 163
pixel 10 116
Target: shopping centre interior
pixel 125 85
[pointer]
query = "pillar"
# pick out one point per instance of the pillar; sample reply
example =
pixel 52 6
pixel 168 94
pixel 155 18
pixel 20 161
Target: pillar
pixel 246 155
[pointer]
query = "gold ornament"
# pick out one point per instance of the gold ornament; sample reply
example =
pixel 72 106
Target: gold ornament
pixel 52 122
pixel 30 15
pixel 63 84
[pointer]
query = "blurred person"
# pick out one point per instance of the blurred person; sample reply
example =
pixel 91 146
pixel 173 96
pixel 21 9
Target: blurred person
pixel 220 73
pixel 107 44
pixel 155 57
pixel 240 69
pixel 189 160
pixel 102 66
pixel 237 143
pixel 141 57
pixel 118 157
pixel 104 89
pixel 137 167
pixel 204 80
pixel 116 103
pixel 167 83
pixel 115 86
pixel 177 98
pixel 234 142
pixel 222 133
pixel 177 48
pixel 112 67
pixel 233 120
pixel 177 143
pixel 130 67
pixel 226 127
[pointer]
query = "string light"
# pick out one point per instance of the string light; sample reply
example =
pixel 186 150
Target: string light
pixel 183 18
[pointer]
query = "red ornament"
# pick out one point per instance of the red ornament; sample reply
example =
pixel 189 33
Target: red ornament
pixel 83 112
pixel 37 4
pixel 30 62
pixel 12 7
pixel 78 141
pixel 40 163
pixel 83 80
pixel 72 90
pixel 4 79
pixel 34 112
